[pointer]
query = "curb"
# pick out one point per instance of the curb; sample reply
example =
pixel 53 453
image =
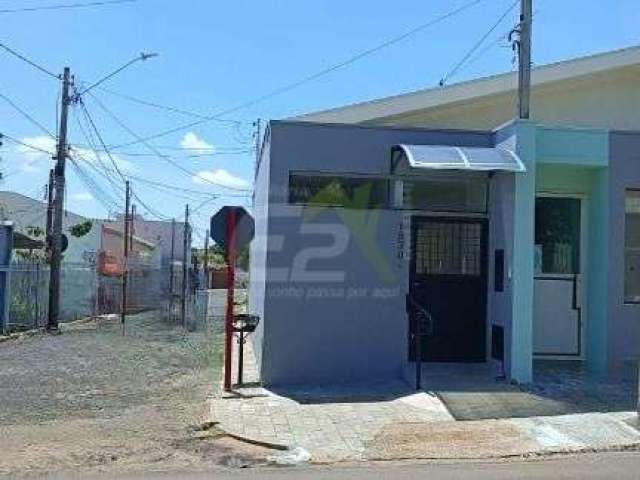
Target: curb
pixel 539 454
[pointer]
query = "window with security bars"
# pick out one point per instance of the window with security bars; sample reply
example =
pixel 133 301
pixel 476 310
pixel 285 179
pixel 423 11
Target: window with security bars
pixel 448 248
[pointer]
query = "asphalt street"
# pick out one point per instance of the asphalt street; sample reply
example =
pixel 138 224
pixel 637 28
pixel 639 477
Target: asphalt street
pixel 585 466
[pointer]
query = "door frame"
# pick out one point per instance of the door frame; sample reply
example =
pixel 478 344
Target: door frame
pixel 453 217
pixel 582 282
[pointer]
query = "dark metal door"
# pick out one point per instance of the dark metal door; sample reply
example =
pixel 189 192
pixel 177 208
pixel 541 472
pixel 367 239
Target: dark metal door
pixel 449 281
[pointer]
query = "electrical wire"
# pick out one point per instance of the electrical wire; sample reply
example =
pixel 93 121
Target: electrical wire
pixel 160 155
pixel 171 189
pixel 309 78
pixel 477 45
pixel 167 107
pixel 66 6
pixel 94 187
pixel 90 140
pixel 27 116
pixel 26 145
pixel 150 210
pixel 29 61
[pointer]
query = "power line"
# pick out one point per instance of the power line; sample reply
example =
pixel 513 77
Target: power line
pixel 89 138
pixel 168 188
pixel 27 116
pixel 112 160
pixel 477 45
pixel 29 61
pixel 167 108
pixel 26 145
pixel 298 83
pixel 93 187
pixel 66 6
pixel 100 139
pixel 160 155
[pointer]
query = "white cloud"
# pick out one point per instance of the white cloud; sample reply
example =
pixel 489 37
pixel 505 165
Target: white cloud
pixel 38 148
pixel 195 144
pixel 82 197
pixel 220 177
pixel 32 154
pixel 100 158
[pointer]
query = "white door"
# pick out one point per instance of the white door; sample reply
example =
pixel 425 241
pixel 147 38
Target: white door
pixel 557 313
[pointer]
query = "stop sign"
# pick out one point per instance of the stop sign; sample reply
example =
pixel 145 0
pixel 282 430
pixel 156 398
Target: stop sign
pixel 244 226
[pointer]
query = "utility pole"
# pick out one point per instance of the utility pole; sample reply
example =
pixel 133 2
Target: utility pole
pixel 258 125
pixel 205 262
pixel 171 270
pixel 125 255
pixel 49 209
pixel 185 247
pixel 132 220
pixel 58 207
pixel 524 58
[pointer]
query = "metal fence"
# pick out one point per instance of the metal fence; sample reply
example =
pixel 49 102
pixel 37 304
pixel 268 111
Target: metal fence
pixel 85 292
pixel 28 299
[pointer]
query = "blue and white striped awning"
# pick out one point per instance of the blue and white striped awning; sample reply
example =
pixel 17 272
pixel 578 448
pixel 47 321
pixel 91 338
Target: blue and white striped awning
pixel 444 157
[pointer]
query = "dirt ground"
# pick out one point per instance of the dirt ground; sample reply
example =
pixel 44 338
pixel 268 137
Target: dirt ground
pixel 92 399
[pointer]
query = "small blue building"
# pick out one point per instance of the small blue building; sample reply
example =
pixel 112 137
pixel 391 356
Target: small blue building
pixel 432 212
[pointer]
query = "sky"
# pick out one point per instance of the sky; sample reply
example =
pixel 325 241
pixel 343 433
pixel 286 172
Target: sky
pixel 214 56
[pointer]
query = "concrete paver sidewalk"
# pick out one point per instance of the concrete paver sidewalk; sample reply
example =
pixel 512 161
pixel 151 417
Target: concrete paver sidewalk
pixel 390 421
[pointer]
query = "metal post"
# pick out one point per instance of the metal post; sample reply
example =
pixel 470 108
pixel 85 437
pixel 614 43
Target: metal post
pixel 240 357
pixel 524 59
pixel 58 210
pixel 171 272
pixel 231 263
pixel 50 188
pixel 205 262
pixel 131 220
pixel 125 256
pixel 418 349
pixel 185 247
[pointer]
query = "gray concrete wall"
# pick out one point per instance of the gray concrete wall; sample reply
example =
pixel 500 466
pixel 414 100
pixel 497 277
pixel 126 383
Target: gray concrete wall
pixel 624 319
pixel 336 279
pixel 501 210
pixel 258 247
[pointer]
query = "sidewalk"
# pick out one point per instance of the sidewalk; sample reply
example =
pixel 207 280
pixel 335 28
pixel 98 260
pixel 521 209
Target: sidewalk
pixel 389 421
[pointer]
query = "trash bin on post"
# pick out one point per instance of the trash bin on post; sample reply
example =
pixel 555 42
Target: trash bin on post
pixel 243 325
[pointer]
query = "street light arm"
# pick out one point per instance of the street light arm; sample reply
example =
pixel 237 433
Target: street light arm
pixel 140 58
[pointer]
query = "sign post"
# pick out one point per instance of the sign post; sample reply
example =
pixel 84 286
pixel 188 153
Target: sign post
pixel 231 277
pixel 232 228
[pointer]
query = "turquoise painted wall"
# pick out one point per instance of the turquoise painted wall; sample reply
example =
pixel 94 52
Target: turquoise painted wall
pixel 569 146
pixel 571 161
pixel 576 161
pixel 522 268
pixel 593 183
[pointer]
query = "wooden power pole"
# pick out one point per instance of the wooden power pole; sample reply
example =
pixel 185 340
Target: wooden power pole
pixel 185 267
pixel 125 255
pixel 205 261
pixel 58 206
pixel 524 59
pixel 50 188
pixel 171 268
